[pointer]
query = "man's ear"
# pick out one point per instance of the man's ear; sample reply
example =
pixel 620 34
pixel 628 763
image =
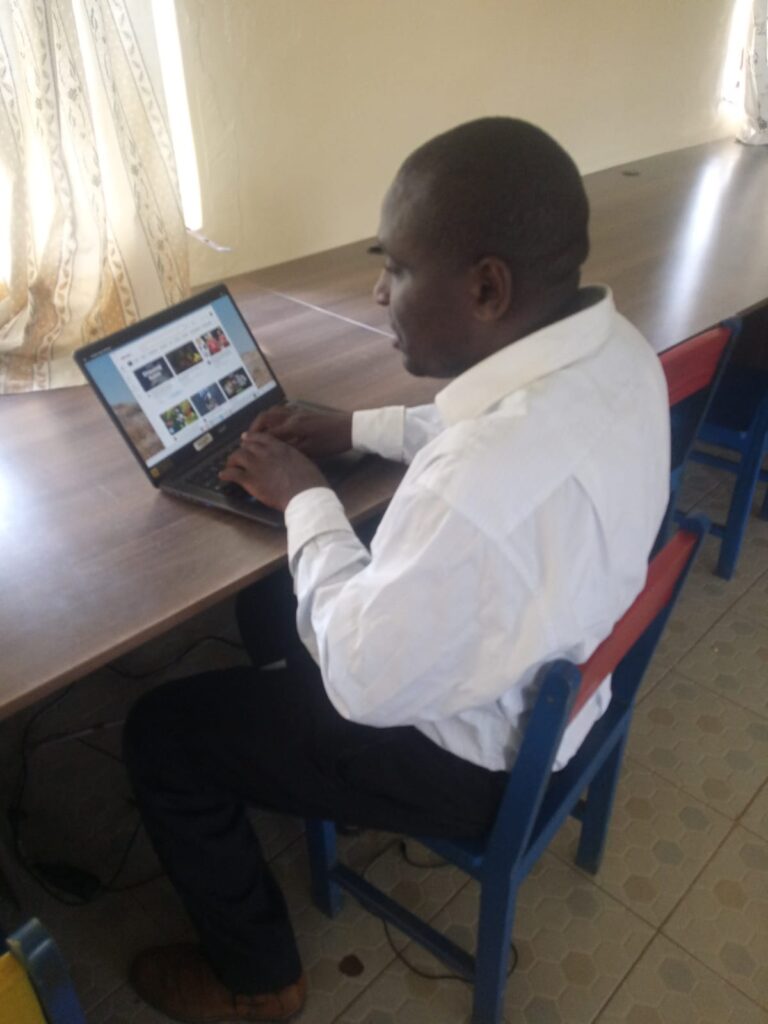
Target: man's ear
pixel 491 287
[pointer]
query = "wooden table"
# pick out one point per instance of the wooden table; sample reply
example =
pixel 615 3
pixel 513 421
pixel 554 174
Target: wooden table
pixel 94 561
pixel 682 239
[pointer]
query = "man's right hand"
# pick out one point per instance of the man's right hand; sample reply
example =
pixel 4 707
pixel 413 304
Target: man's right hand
pixel 316 433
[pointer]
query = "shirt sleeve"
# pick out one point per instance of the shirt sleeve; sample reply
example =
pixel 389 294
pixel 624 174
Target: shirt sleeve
pixel 395 432
pixel 398 633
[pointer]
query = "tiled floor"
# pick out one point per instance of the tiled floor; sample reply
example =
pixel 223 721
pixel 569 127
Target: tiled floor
pixel 673 929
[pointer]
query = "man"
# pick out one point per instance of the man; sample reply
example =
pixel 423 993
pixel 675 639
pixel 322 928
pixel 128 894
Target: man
pixel 519 534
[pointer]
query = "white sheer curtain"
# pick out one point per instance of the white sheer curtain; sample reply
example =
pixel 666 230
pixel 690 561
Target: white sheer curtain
pixel 91 229
pixel 754 130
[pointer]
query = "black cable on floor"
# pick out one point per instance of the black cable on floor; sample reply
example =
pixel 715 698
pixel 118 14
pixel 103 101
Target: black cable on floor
pixel 401 846
pixel 176 659
pixel 86 885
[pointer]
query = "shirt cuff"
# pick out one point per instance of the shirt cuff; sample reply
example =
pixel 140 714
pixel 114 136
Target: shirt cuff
pixel 310 513
pixel 380 431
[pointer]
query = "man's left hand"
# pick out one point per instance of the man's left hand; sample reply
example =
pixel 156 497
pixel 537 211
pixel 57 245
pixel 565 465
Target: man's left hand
pixel 270 470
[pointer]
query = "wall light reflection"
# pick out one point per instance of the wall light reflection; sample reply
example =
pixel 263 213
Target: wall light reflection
pixel 5 501
pixel 6 197
pixel 697 242
pixel 175 87
pixel 732 78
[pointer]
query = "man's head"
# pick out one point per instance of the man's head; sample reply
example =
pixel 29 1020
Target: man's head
pixel 483 230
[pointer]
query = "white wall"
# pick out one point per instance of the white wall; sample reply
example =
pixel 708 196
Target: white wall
pixel 303 109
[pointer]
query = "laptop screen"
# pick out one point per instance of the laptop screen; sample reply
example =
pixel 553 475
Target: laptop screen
pixel 178 376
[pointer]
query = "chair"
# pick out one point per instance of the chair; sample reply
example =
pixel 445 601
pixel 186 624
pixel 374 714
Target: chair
pixel 536 801
pixel 737 420
pixel 35 987
pixel 693 370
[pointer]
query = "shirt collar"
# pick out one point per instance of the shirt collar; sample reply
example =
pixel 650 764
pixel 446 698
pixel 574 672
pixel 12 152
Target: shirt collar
pixel 536 355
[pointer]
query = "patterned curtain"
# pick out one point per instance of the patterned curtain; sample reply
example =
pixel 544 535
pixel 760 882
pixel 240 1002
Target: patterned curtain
pixel 755 128
pixel 91 230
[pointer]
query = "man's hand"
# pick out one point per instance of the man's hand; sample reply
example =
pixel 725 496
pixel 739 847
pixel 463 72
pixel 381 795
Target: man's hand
pixel 271 470
pixel 317 433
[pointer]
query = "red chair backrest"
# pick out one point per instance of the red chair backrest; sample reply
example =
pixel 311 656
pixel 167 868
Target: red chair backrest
pixel 664 572
pixel 691 366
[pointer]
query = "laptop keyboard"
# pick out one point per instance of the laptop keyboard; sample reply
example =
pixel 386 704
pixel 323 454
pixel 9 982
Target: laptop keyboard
pixel 207 475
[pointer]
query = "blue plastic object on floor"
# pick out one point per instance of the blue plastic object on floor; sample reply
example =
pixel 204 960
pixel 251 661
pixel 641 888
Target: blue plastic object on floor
pixel 36 952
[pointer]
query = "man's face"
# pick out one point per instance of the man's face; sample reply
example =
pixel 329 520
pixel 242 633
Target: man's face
pixel 428 297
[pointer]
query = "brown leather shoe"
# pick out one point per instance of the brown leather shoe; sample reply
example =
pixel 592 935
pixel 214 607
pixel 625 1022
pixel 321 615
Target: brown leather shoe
pixel 178 981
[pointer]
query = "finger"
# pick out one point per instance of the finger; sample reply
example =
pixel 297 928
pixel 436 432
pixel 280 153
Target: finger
pixel 245 458
pixel 285 431
pixel 256 436
pixel 269 420
pixel 260 444
pixel 232 474
pixel 236 475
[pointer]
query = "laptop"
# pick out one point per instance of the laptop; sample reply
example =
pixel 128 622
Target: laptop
pixel 181 387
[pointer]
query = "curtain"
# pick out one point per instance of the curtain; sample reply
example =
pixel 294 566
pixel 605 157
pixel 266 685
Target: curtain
pixel 755 128
pixel 92 235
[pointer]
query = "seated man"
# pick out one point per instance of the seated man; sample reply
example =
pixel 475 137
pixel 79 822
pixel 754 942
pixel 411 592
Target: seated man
pixel 519 534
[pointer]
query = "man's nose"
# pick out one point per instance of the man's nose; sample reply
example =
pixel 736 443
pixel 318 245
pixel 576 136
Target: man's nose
pixel 381 289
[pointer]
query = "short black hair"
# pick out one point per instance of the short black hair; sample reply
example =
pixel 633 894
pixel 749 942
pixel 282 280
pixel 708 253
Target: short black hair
pixel 499 186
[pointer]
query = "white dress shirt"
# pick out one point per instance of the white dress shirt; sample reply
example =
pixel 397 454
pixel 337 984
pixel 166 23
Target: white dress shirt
pixel 519 534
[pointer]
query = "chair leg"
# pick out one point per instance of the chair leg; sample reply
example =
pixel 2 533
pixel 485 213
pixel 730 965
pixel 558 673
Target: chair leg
pixel 741 502
pixel 321 846
pixel 494 932
pixel 597 810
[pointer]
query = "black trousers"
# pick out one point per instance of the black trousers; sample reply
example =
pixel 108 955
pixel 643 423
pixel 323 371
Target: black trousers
pixel 201 750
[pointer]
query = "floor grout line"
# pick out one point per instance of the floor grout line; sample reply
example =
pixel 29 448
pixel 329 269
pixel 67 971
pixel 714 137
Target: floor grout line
pixel 394 957
pixel 762 715
pixel 708 967
pixel 697 876
pixel 739 820
pixel 624 980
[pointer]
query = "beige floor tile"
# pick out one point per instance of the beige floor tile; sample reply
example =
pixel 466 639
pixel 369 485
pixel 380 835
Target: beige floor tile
pixel 708 746
pixel 125 1007
pixel 400 996
pixel 755 818
pixel 659 839
pixel 275 831
pixel 733 660
pixel 723 921
pixel 669 987
pixel 575 944
pixel 344 955
pixel 699 480
pixel 754 603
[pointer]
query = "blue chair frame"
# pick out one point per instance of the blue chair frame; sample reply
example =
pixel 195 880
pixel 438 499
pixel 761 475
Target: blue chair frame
pixel 737 420
pixel 47 971
pixel 536 801
pixel 693 369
